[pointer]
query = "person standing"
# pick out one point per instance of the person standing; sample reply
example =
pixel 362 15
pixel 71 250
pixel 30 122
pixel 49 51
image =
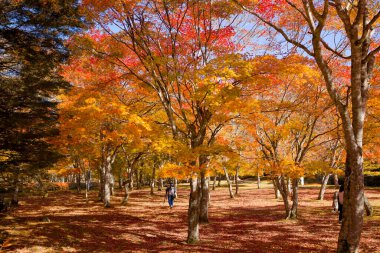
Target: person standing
pixel 340 202
pixel 170 194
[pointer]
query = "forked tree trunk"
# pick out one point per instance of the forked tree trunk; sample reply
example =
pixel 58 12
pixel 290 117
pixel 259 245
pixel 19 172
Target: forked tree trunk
pixel 194 211
pixel 322 190
pixel 294 209
pixel 228 182
pixel 205 199
pixel 282 186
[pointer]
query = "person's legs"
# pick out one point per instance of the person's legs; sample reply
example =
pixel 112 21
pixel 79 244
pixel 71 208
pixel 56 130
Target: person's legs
pixel 170 201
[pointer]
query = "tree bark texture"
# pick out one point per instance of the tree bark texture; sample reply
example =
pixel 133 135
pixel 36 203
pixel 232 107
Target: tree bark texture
pixel 194 211
pixel 228 182
pixel 322 190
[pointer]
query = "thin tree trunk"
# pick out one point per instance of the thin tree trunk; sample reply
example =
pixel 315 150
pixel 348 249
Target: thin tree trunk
pixel 302 181
pixel 194 211
pixel 219 180
pixel 16 183
pixel 112 183
pixel 126 196
pixel 102 181
pixel 107 186
pixel 205 199
pixel 228 182
pixel 236 181
pixel 160 184
pixel 294 209
pixel 78 177
pixel 213 184
pixel 322 190
pixel 138 181
pixel 152 180
pixel 131 176
pixel 258 181
pixel 276 190
pixel 336 180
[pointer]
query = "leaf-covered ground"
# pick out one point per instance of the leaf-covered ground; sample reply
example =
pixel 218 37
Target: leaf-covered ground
pixel 252 222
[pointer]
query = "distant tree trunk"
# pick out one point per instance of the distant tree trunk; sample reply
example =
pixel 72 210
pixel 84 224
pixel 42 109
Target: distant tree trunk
pixel 194 211
pixel 112 184
pixel 322 190
pixel 219 180
pixel 336 180
pixel 228 182
pixel 205 199
pixel 141 179
pixel 131 176
pixel 126 196
pixel 138 181
pixel 236 181
pixel 78 177
pixel 258 181
pixel 302 181
pixel 294 209
pixel 276 191
pixel 152 180
pixel 176 183
pixel 368 207
pixel 107 184
pixel 160 184
pixel 213 184
pixel 16 183
pixel 101 181
pixel 120 179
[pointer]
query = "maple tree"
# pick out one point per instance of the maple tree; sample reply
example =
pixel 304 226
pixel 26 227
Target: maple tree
pixel 352 25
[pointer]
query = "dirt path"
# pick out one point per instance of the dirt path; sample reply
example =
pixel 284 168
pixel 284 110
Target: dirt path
pixel 252 222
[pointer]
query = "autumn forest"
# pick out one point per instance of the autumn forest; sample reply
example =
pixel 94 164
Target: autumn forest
pixel 189 126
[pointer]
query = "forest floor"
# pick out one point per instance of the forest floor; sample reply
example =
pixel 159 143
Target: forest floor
pixel 251 222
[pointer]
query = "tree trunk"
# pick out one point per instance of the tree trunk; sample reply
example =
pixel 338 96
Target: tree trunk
pixel 213 184
pixel 205 199
pixel 336 180
pixel 302 181
pixel 152 180
pixel 322 190
pixel 368 207
pixel 228 182
pixel 294 209
pixel 282 186
pixel 131 176
pixel 236 181
pixel 101 181
pixel 138 181
pixel 219 180
pixel 276 191
pixel 112 183
pixel 194 211
pixel 78 181
pixel 258 181
pixel 126 196
pixel 16 184
pixel 107 182
pixel 353 204
pixel 160 184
